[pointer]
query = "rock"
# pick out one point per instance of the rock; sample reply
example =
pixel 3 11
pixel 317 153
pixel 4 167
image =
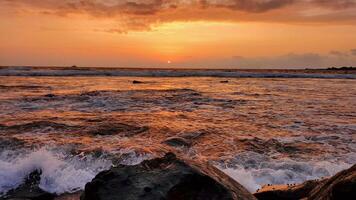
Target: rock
pixel 292 192
pixel 73 196
pixel 29 190
pixel 341 186
pixel 177 142
pixel 226 81
pixel 136 82
pixel 184 140
pixel 50 95
pixel 161 178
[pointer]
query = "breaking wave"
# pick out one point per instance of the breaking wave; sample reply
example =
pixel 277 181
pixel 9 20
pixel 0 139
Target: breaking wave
pixel 254 170
pixel 61 173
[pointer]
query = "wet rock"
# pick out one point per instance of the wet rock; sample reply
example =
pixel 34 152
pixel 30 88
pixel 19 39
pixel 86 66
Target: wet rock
pixel 341 186
pixel 121 129
pixel 193 135
pixel 184 140
pixel 73 196
pixel 50 95
pixel 178 142
pixel 161 178
pixel 292 192
pixel 29 190
pixel 136 82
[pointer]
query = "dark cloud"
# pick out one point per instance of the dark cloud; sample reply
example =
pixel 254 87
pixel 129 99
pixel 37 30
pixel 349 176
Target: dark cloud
pixel 143 14
pixel 336 4
pixel 339 53
pixel 151 7
pixel 247 5
pixel 353 52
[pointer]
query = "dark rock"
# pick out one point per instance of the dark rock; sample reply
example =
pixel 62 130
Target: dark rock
pixel 29 190
pixel 341 186
pixel 177 142
pixel 291 193
pixel 136 82
pixel 161 178
pixel 224 81
pixel 125 130
pixel 50 95
pixel 193 135
pixel 184 140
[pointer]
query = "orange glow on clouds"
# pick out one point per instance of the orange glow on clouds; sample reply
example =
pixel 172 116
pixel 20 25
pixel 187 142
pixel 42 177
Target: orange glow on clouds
pixel 39 33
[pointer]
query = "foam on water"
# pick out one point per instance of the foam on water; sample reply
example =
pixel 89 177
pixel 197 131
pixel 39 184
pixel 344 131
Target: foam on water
pixel 254 170
pixel 60 173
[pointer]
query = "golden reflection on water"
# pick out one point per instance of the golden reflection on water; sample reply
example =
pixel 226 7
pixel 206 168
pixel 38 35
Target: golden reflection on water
pixel 242 115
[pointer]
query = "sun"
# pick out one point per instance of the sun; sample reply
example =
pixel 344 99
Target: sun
pixel 169 62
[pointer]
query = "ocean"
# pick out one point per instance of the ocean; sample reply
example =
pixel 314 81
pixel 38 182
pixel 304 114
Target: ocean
pixel 259 127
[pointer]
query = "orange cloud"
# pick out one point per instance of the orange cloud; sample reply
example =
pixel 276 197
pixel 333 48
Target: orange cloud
pixel 136 15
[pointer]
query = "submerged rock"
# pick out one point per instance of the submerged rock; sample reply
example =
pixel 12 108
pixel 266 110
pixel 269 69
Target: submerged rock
pixel 178 142
pixel 29 190
pixel 136 82
pixel 161 178
pixel 184 140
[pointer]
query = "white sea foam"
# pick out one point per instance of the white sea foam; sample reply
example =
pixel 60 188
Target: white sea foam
pixel 60 173
pixel 259 170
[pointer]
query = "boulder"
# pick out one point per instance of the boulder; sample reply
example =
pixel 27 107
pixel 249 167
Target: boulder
pixel 341 186
pixel 29 190
pixel 162 178
pixel 287 192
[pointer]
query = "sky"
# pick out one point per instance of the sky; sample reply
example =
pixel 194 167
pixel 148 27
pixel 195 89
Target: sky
pixel 178 33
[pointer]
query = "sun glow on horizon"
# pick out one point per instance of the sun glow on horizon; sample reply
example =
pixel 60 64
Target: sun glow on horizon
pixel 190 37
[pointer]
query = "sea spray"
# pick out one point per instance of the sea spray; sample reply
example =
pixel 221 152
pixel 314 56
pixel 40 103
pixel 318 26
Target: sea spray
pixel 60 173
pixel 254 170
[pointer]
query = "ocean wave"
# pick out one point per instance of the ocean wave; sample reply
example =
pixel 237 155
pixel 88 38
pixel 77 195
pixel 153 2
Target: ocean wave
pixel 60 173
pixel 254 170
pixel 28 71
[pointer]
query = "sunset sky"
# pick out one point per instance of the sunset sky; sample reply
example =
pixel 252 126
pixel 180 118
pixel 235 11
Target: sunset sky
pixel 179 33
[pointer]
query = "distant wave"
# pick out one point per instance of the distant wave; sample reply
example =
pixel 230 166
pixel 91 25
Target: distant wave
pixel 28 71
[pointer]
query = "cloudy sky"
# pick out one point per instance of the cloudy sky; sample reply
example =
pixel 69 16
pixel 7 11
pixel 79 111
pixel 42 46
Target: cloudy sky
pixel 179 33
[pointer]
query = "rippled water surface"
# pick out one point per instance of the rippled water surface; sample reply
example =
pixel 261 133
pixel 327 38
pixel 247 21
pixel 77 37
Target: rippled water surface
pixel 258 130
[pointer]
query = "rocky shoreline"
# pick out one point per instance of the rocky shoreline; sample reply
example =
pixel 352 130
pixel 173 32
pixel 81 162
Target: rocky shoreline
pixel 173 179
